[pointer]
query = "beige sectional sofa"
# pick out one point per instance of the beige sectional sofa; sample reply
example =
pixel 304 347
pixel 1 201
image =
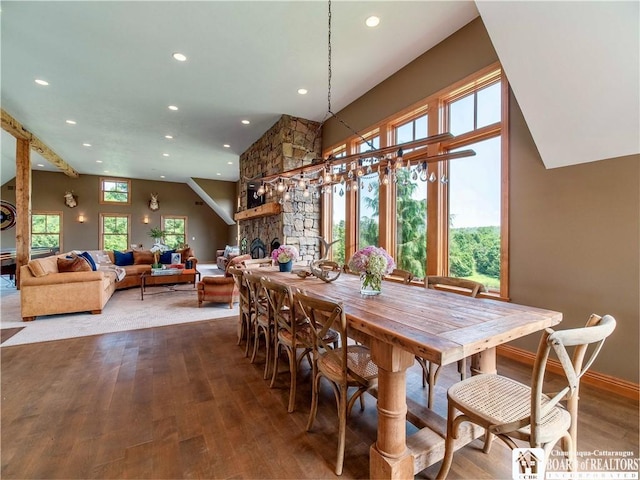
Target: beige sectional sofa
pixel 46 291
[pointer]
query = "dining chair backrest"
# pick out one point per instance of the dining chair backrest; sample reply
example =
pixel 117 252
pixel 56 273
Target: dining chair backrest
pixel 257 262
pixel 405 275
pixel 324 315
pixel 474 287
pixel 256 291
pixel 237 272
pixel 596 330
pixel 280 300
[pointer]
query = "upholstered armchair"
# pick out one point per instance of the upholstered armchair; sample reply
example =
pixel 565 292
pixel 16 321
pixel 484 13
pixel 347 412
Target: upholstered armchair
pixel 221 289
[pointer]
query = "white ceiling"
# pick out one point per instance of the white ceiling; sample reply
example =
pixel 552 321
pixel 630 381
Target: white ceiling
pixel 573 67
pixel 110 69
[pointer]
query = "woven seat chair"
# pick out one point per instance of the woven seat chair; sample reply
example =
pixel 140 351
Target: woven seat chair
pixel 262 318
pixel 511 410
pixel 290 334
pixel 245 307
pixel 344 367
pixel 430 370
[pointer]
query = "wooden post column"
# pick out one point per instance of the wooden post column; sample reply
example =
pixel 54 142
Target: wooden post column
pixel 23 205
pixel 389 457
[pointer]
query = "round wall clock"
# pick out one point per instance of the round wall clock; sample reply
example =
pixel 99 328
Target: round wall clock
pixel 7 215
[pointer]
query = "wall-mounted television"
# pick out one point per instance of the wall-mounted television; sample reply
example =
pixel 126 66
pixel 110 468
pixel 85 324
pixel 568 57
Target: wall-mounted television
pixel 253 199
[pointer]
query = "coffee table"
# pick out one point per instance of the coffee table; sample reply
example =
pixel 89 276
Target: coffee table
pixel 187 275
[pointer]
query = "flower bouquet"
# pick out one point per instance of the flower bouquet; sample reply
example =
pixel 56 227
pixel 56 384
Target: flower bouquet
pixel 157 249
pixel 285 255
pixel 372 263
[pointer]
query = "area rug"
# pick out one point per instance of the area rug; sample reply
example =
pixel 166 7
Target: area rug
pixel 124 311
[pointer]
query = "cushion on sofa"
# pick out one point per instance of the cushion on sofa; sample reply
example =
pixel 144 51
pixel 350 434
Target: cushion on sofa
pixel 165 257
pixel 88 258
pixel 73 264
pixel 36 268
pixel 122 259
pixel 143 257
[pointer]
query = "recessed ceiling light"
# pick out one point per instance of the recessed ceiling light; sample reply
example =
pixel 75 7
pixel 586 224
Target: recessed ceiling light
pixel 246 122
pixel 180 57
pixel 161 176
pixel 86 144
pixel 226 145
pixel 372 21
pixel 41 165
pixel 173 107
pixel 98 161
pixel 165 154
pixel 170 137
pixel 106 171
pixel 303 91
pixel 229 163
pixel 218 174
pixel 42 82
pixel 71 122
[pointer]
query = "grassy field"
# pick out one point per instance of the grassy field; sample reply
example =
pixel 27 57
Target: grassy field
pixel 490 282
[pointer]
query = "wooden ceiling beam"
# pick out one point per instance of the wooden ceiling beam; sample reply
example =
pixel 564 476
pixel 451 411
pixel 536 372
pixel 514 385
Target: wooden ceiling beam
pixel 15 128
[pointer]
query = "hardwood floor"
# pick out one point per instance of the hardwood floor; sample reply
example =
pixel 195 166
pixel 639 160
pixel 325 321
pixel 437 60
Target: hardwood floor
pixel 183 402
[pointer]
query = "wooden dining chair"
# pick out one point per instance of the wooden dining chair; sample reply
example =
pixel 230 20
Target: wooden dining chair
pixel 430 370
pixel 404 275
pixel 245 307
pixel 289 334
pixel 511 410
pixel 344 366
pixel 262 318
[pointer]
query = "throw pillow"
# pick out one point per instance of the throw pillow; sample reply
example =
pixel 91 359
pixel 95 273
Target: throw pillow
pixel 122 259
pixel 88 258
pixel 144 257
pixel 165 257
pixel 227 251
pixel 36 268
pixel 74 264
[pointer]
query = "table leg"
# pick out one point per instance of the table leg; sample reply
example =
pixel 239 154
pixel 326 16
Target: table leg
pixel 389 457
pixel 484 362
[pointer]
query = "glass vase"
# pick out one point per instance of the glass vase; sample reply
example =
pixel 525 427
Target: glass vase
pixel 370 284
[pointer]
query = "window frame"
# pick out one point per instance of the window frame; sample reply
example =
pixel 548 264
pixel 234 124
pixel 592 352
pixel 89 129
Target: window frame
pixel 116 180
pixel 47 212
pixel 164 218
pixel 117 215
pixel 437 196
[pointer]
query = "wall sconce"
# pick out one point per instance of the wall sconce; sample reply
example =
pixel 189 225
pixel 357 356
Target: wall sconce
pixel 80 218
pixel 145 220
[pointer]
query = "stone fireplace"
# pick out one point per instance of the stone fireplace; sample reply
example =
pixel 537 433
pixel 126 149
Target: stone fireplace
pixel 291 142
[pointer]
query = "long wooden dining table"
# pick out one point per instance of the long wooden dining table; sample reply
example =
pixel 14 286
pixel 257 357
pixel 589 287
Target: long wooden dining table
pixel 405 321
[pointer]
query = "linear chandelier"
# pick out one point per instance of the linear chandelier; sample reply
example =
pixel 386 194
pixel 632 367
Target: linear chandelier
pixel 321 174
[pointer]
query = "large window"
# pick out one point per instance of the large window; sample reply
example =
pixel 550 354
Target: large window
pixel 175 231
pixel 411 204
pixel 115 191
pixel 474 214
pixel 443 217
pixel 114 231
pixel 46 230
pixel 338 212
pixel 367 184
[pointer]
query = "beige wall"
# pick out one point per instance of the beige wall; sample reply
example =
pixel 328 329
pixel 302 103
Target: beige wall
pixel 575 231
pixel 205 229
pixel 225 194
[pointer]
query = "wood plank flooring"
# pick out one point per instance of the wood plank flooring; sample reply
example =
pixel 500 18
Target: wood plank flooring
pixel 183 402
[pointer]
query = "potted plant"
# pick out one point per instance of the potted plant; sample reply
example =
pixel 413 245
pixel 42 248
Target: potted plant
pixel 157 234
pixel 372 263
pixel 285 255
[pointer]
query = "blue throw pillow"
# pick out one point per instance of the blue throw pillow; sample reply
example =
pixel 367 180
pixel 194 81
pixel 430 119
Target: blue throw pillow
pixel 165 257
pixel 89 259
pixel 122 259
